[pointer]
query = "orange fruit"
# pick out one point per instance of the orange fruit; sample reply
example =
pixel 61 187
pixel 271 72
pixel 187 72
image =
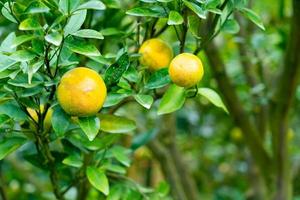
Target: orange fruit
pixel 47 120
pixel 186 70
pixel 155 54
pixel 81 92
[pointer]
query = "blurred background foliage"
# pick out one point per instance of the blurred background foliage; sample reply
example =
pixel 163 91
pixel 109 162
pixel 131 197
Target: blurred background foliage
pixel 212 146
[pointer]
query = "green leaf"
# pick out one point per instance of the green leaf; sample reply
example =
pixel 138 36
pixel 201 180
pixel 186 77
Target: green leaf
pixel 6 45
pixel 111 32
pixel 252 16
pixel 121 155
pixel 3 119
pixel 164 1
pixel 54 38
pixel 175 18
pixel 6 12
pixel 30 24
pixel 116 124
pixel 196 9
pixel 145 100
pixel 32 69
pixel 6 62
pixel 88 33
pixel 194 23
pixel 21 39
pixel 81 47
pixel 22 55
pixel 213 97
pixel 113 99
pixel 37 7
pixel 231 26
pixel 146 12
pixel 73 160
pixel 22 81
pixel 90 126
pixel 67 6
pixel 115 168
pixel 158 79
pixel 60 121
pixel 114 73
pixel 75 22
pixel 94 4
pixel 172 100
pixel 163 189
pixel 98 179
pixel 13 111
pixel 9 145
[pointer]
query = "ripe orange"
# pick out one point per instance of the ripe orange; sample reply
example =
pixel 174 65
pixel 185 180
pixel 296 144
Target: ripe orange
pixel 81 92
pixel 186 70
pixel 47 120
pixel 155 54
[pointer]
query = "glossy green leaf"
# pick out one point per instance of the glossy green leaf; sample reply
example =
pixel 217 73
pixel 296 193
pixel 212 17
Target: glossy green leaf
pixel 145 100
pixel 213 97
pixel 164 1
pixel 120 154
pixel 37 7
pixel 82 47
pixel 90 126
pixel 194 23
pixel 158 79
pixel 22 55
pixel 73 160
pixel 9 145
pixel 7 43
pixel 98 179
pixel 114 73
pixel 67 6
pixel 54 38
pixel 111 32
pixel 172 100
pixel 231 26
pixel 88 33
pixel 146 12
pixel 75 22
pixel 6 12
pixel 13 111
pixel 60 121
pixel 22 81
pixel 6 62
pixel 94 4
pixel 4 119
pixel 175 18
pixel 116 124
pixel 21 39
pixel 30 24
pixel 252 16
pixel 114 98
pixel 196 9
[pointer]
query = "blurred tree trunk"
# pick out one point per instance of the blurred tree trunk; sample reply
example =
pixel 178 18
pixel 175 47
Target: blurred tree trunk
pixel 281 104
pixel 176 171
pixel 274 169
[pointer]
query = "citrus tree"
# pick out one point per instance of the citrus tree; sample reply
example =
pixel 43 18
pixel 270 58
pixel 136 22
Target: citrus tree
pixel 68 66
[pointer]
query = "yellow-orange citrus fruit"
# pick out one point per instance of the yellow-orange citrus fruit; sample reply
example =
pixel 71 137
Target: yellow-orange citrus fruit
pixel 47 120
pixel 155 54
pixel 186 70
pixel 81 92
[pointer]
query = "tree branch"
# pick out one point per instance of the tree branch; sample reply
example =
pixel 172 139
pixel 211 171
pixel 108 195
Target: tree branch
pixel 236 110
pixel 281 105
